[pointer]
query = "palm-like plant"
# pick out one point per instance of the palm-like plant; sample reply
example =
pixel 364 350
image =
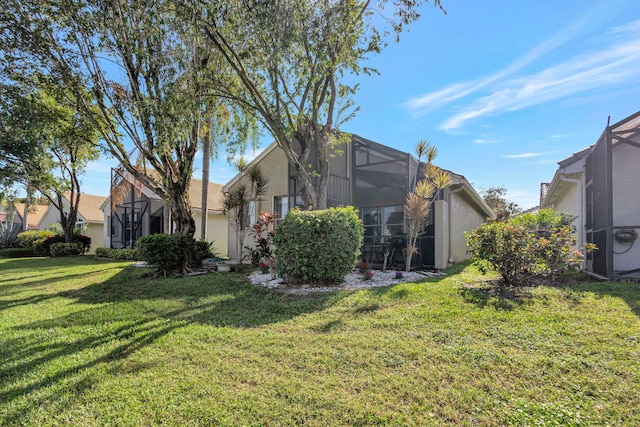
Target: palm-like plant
pixel 9 234
pixel 420 200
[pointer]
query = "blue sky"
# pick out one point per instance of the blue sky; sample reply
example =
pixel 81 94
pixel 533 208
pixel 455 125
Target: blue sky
pixel 504 89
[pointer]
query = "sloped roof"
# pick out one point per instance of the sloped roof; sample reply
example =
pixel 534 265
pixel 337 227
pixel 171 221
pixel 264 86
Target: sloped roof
pixel 36 213
pixel 215 199
pixel 4 215
pixel 89 207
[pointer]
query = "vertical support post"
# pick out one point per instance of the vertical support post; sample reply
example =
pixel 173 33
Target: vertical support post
pixel 609 199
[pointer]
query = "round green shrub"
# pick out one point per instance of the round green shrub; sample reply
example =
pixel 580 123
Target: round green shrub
pixel 66 249
pixel 44 248
pixel 85 240
pixel 163 251
pixel 318 247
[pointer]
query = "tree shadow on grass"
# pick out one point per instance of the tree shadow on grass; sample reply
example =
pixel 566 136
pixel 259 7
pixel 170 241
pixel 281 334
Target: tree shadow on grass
pixel 118 317
pixel 43 274
pixel 215 299
pixel 493 295
pixel 27 359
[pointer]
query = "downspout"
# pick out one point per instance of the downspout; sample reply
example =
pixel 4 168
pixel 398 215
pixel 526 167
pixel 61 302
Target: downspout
pixel 578 182
pixel 449 193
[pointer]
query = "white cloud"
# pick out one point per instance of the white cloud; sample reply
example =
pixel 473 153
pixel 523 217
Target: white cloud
pixel 431 101
pixel 523 155
pixel 486 141
pixel 618 63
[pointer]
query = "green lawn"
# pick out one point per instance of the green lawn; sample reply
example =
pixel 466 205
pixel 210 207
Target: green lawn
pixel 91 342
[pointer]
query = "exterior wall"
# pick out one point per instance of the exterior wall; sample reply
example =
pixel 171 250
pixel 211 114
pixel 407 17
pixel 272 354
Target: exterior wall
pixel 462 217
pixel 453 217
pixel 275 166
pixel 626 204
pixel 217 230
pixel 570 201
pixel 52 216
pixel 95 231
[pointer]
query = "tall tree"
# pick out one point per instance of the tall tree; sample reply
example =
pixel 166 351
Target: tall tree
pixel 495 198
pixel 206 161
pixel 45 145
pixel 291 58
pixel 227 125
pixel 147 70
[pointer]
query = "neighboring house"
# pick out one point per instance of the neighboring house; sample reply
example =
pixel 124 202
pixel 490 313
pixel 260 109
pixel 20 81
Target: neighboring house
pixel 600 185
pixel 138 212
pixel 10 218
pixel 376 179
pixel 34 215
pixel 90 217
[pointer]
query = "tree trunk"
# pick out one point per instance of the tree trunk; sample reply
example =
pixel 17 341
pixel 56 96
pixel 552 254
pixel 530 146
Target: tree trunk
pixel 206 160
pixel 314 194
pixel 183 218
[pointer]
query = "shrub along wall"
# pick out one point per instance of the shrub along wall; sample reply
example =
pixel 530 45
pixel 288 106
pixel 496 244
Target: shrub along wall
pixel 318 247
pixel 119 254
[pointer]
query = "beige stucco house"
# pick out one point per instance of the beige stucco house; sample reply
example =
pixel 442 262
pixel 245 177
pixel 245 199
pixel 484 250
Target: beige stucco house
pixel 15 214
pixel 90 217
pixel 376 179
pixel 600 185
pixel 139 212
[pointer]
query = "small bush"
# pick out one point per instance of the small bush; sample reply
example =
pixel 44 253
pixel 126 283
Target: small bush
pixel 262 232
pixel 526 247
pixel 17 253
pixel 44 248
pixel 119 254
pixel 164 251
pixel 33 238
pixel 202 250
pixel 66 249
pixel 85 240
pixel 318 247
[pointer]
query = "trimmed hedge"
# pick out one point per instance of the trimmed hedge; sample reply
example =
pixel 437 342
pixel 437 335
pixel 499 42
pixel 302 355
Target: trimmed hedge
pixel 41 240
pixel 66 249
pixel 318 247
pixel 17 253
pixel 119 254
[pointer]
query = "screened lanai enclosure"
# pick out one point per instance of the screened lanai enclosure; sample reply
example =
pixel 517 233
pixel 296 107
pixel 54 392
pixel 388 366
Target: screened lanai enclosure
pixel 383 177
pixel 376 179
pixel 612 205
pixel 135 211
